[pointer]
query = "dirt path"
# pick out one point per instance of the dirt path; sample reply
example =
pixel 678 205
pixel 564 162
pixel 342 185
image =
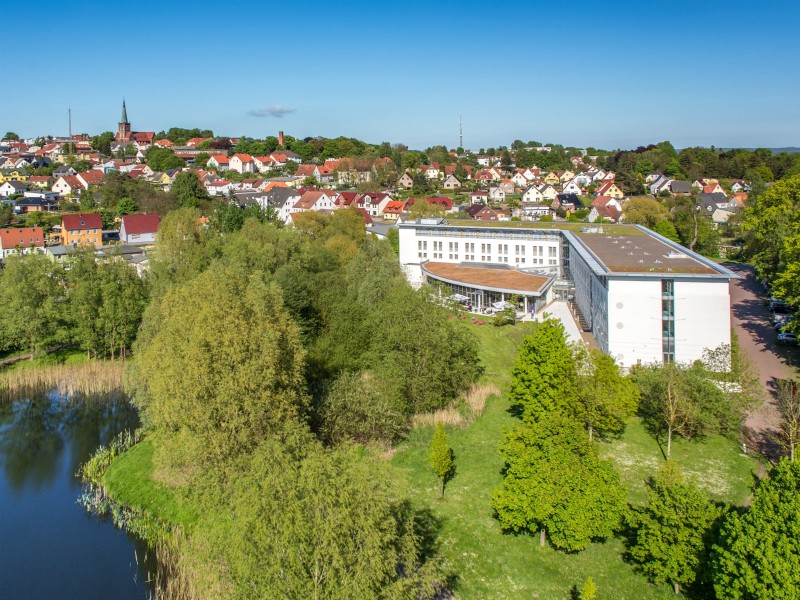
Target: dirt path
pixel 757 339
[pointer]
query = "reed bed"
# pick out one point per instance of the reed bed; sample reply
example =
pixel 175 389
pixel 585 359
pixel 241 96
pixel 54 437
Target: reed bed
pixel 95 379
pixel 469 408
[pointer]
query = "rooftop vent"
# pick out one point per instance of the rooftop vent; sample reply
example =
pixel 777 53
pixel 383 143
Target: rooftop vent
pixel 675 254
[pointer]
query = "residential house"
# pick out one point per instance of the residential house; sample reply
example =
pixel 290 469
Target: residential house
pixel 519 179
pixel 139 229
pixel 442 201
pixel 42 201
pixel 680 188
pixel 282 200
pixel 565 202
pixel 89 178
pixel 21 240
pixel 605 207
pixel 582 179
pixel 405 181
pixel 653 177
pixel 11 188
pixel 164 143
pixel 548 192
pixel 82 230
pixel 533 195
pixel 219 187
pixel 479 212
pixel 373 204
pixel 67 185
pixel 609 188
pixel 662 184
pixel 497 194
pixel 739 185
pixel 479 197
pixel 571 187
pixel 241 163
pixel 314 200
pixel 64 171
pixel 431 171
pixel 451 182
pixel 714 188
pixel 507 186
pixel 738 198
pixel 552 178
pixel 40 181
pixel 565 176
pixel 530 173
pixel 219 162
pixel 393 210
pixel 535 211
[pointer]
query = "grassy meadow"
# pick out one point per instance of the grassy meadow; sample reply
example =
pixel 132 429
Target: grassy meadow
pixel 490 564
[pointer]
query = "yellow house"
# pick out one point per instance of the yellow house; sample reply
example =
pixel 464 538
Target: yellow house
pixel 164 179
pixel 552 178
pixel 11 175
pixel 82 230
pixel 610 189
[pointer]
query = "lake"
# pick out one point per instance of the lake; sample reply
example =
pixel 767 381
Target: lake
pixel 50 547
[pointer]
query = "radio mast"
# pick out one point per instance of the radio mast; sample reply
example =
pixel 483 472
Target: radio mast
pixel 460 133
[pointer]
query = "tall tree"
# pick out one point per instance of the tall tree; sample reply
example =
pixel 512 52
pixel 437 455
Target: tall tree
pixel 683 400
pixel 543 379
pixel 757 553
pixel 219 364
pixel 606 396
pixel 440 456
pixel 189 190
pixel 555 483
pixel 32 294
pixel 671 531
pixel 788 400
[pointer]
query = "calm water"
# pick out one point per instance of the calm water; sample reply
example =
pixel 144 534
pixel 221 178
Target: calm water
pixel 49 546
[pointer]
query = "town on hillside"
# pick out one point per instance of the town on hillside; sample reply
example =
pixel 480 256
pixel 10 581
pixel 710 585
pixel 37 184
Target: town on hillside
pixel 63 192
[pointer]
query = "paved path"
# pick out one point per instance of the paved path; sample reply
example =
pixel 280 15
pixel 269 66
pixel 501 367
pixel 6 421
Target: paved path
pixel 560 310
pixel 757 340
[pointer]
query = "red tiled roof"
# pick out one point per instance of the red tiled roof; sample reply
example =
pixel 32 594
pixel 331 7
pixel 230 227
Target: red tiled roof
pixel 220 159
pixel 245 158
pixel 80 221
pixel 21 236
pixel 395 207
pixel 143 223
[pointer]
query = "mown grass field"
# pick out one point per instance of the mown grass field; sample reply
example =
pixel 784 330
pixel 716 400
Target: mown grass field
pixel 490 564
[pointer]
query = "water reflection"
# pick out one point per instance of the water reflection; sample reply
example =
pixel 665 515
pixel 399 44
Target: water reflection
pixel 37 434
pixel 44 439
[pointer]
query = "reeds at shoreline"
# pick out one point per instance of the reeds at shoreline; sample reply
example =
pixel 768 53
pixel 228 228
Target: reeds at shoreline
pixel 93 379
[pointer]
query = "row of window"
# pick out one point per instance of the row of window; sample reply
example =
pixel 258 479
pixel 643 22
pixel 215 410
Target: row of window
pixel 486 249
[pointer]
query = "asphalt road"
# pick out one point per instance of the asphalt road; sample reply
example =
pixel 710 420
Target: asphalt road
pixel 758 340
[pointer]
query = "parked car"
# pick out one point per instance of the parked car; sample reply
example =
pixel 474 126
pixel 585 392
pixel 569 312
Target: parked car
pixel 779 326
pixel 787 338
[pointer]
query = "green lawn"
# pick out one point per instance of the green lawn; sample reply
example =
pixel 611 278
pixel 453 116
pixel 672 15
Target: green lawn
pixel 490 564
pixel 129 480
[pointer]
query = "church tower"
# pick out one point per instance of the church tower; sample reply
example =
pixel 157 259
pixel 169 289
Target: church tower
pixel 124 127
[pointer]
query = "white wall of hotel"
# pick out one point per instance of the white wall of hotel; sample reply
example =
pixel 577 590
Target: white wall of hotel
pixel 626 312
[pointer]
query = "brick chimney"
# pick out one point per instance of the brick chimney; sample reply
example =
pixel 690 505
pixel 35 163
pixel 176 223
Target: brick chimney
pixel 280 138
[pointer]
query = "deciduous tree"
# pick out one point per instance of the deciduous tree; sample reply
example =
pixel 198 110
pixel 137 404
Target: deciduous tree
pixel 606 397
pixel 555 483
pixel 440 456
pixel 543 379
pixel 757 553
pixel 671 531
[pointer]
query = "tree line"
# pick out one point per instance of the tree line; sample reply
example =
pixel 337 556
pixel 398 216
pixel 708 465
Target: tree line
pixel 96 305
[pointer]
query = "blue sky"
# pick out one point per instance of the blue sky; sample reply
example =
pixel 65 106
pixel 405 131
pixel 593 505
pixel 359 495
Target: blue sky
pixel 614 74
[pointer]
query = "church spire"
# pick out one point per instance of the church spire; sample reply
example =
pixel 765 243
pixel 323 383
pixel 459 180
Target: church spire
pixel 124 113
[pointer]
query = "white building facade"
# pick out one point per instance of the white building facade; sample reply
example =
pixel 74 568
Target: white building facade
pixel 644 298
